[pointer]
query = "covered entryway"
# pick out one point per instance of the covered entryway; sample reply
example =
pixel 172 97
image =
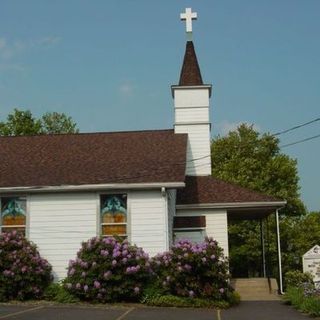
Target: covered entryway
pixel 220 203
pixel 260 277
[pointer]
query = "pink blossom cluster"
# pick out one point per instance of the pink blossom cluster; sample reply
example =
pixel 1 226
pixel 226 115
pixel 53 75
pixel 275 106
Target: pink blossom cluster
pixel 194 270
pixel 108 269
pixel 23 273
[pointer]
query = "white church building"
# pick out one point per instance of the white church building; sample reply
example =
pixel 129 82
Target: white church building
pixel 63 189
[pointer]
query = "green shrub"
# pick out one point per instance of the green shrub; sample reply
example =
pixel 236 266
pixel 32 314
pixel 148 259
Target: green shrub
pixel 297 278
pixel 184 302
pixel 294 296
pixel 57 293
pixel 23 273
pixel 193 270
pixel 311 305
pixel 108 270
pixel 297 297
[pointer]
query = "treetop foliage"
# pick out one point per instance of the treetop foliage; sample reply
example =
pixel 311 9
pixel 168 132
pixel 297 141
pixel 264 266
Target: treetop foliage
pixel 21 122
pixel 255 161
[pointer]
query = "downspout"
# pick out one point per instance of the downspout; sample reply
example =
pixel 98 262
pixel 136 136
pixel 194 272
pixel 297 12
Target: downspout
pixel 279 253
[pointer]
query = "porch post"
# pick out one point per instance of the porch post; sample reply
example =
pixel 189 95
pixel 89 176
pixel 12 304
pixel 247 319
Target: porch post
pixel 263 249
pixel 279 253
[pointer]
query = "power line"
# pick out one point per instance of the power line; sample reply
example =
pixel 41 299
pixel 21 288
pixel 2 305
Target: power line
pixel 296 127
pixel 300 141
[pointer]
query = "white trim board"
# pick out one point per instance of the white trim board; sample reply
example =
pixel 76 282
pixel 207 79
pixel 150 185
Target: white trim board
pixel 94 187
pixel 232 205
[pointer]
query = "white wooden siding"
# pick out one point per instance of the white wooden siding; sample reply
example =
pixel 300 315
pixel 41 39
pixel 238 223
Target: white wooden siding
pixel 183 115
pixel 58 223
pixel 192 117
pixel 198 147
pixel 149 221
pixel 171 212
pixel 216 225
pixel 191 97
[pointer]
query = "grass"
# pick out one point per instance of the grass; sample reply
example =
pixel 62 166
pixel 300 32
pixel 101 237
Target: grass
pixel 307 304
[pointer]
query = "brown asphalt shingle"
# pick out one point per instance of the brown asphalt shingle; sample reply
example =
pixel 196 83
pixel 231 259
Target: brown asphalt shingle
pixel 190 73
pixel 207 189
pixel 93 158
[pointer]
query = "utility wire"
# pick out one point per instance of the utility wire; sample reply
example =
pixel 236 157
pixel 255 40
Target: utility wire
pixel 296 127
pixel 300 141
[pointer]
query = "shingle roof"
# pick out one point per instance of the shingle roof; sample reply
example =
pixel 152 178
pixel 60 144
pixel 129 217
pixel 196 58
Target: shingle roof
pixel 93 158
pixel 207 189
pixel 190 73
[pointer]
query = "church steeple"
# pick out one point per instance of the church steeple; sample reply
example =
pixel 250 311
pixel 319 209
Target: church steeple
pixel 191 104
pixel 190 72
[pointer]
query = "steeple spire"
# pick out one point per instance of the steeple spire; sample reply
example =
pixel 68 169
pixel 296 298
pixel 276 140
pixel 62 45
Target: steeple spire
pixel 190 74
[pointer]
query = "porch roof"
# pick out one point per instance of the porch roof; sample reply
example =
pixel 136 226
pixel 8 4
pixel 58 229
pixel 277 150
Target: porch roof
pixel 241 203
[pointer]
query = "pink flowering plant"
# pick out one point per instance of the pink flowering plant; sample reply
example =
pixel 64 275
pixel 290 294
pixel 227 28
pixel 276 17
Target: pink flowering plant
pixel 108 270
pixel 23 273
pixel 193 270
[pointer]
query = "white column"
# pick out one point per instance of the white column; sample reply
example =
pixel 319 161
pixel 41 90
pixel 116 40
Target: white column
pixel 279 253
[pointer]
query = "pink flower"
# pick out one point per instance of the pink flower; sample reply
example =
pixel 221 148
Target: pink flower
pixel 97 284
pixel 136 290
pixel 85 288
pixel 221 290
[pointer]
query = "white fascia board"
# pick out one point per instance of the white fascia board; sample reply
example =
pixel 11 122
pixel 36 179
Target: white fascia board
pixel 233 205
pixel 93 187
pixel 202 86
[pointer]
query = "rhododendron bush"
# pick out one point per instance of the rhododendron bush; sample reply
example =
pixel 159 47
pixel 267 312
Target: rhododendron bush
pixel 107 269
pixel 193 270
pixel 23 273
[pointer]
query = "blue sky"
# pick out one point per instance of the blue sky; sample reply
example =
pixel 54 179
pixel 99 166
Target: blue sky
pixel 110 64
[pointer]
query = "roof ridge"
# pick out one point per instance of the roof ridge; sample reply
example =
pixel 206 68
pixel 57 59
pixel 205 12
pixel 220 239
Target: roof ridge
pixel 89 133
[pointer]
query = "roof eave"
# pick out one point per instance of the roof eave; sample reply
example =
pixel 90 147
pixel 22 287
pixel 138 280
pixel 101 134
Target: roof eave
pixel 92 187
pixel 234 205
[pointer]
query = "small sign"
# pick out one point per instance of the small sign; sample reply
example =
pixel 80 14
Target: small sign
pixel 311 264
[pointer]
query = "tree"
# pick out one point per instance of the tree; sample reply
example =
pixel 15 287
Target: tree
pixel 298 236
pixel 21 122
pixel 255 161
pixel 57 123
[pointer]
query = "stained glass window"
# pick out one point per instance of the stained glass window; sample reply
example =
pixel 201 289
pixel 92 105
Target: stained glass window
pixel 113 214
pixel 13 214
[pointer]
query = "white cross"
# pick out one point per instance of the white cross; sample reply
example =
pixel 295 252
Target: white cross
pixel 188 16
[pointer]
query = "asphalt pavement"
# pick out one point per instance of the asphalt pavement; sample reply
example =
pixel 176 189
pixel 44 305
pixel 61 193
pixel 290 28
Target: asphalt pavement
pixel 261 310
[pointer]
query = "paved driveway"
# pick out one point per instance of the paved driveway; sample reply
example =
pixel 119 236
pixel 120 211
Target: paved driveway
pixel 264 310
